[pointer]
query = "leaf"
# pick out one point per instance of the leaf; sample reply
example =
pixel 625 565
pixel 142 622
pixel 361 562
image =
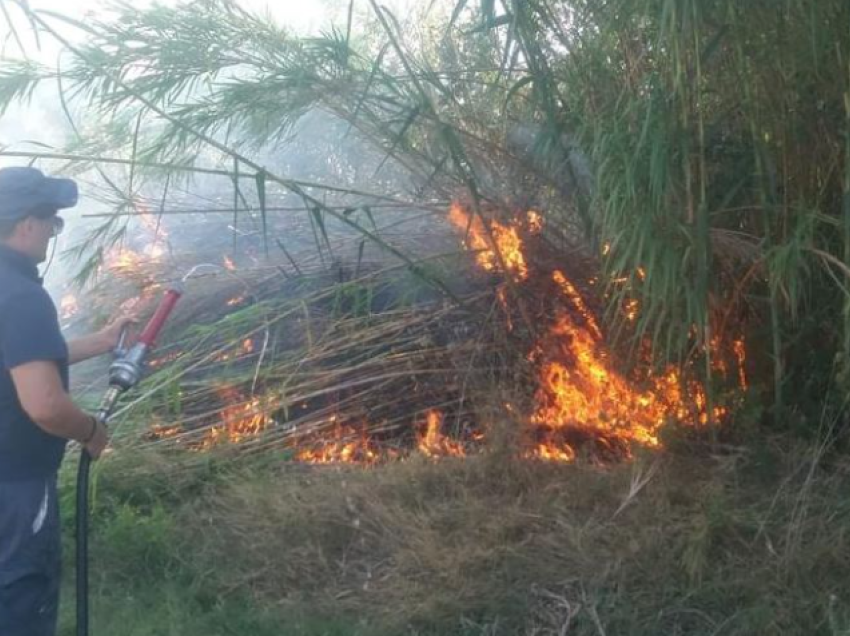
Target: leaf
pixel 399 138
pixel 261 196
pixel 288 256
pixel 525 81
pixel 492 23
pixel 459 7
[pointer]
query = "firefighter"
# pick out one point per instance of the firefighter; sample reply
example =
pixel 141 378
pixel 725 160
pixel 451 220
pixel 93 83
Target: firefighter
pixel 37 415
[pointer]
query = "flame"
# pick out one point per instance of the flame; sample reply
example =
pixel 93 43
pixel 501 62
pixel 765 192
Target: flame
pixel 229 265
pixel 554 453
pixel 241 418
pixel 580 391
pixel 68 306
pixel 165 431
pixel 123 260
pixel 433 443
pixel 577 301
pixel 535 222
pixel 236 300
pixel 248 345
pixel 740 352
pixel 165 359
pixel 151 223
pixel 506 238
pixel 154 251
pixel 347 445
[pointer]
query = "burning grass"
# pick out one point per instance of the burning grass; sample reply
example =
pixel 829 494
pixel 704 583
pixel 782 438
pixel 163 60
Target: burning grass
pixel 325 376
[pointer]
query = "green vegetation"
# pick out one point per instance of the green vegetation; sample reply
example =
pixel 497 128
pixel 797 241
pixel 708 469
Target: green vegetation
pixel 750 542
pixel 693 155
pixel 703 145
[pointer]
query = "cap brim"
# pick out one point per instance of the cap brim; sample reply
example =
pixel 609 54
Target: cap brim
pixel 59 193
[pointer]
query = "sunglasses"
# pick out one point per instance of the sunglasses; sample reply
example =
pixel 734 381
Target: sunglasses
pixel 57 224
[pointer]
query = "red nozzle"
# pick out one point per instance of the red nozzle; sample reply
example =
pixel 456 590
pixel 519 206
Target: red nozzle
pixel 154 326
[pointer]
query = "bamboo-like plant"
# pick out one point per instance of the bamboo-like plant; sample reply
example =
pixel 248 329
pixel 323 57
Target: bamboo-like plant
pixel 700 146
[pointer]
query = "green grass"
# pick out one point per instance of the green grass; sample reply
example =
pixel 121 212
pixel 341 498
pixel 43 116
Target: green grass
pixel 751 541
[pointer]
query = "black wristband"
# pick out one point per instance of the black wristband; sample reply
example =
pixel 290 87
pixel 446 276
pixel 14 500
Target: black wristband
pixel 91 434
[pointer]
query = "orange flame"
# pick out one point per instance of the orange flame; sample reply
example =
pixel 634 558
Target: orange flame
pixel 347 445
pixel 741 356
pixel 241 418
pixel 507 240
pixel 433 443
pixel 578 302
pixel 68 306
pixel 229 265
pixel 579 387
pixel 123 260
pixel 151 223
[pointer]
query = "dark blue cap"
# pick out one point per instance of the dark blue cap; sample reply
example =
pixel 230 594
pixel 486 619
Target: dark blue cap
pixel 24 191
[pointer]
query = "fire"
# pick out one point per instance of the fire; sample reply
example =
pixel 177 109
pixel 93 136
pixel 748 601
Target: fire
pixel 346 445
pixel 552 452
pixel 580 391
pixel 150 246
pixel 507 240
pixel 165 359
pixel 152 223
pixel 123 260
pixel 229 265
pixel 236 300
pixel 154 251
pixel 241 418
pixel 535 222
pixel 578 302
pixel 68 306
pixel 433 443
pixel 740 352
pixel 579 387
pixel 581 394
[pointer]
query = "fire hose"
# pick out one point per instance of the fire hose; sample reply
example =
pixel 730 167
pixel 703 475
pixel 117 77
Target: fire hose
pixel 124 373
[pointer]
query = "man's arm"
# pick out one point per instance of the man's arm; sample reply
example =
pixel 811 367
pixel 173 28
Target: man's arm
pixel 88 347
pixel 100 342
pixel 45 401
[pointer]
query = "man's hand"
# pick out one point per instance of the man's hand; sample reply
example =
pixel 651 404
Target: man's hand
pixel 101 342
pixel 111 333
pixel 97 444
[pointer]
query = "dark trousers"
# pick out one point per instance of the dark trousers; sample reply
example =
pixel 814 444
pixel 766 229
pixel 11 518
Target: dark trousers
pixel 30 557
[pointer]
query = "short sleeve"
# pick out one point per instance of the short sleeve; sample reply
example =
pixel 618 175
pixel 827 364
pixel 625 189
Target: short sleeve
pixel 29 330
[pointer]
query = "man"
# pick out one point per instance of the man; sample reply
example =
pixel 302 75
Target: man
pixel 37 416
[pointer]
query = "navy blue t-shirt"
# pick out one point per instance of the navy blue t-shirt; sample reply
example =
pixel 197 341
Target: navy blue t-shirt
pixel 29 331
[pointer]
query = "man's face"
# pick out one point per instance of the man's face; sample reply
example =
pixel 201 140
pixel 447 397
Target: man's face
pixel 34 234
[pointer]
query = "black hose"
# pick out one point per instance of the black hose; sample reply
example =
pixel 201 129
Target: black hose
pixel 83 544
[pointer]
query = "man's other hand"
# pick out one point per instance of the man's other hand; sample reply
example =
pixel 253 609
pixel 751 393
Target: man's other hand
pixel 98 443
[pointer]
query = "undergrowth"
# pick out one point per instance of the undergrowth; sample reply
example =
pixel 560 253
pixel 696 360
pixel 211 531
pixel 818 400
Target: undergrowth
pixel 752 540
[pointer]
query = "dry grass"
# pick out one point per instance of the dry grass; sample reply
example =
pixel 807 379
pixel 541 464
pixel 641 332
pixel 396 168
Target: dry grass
pixel 751 542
